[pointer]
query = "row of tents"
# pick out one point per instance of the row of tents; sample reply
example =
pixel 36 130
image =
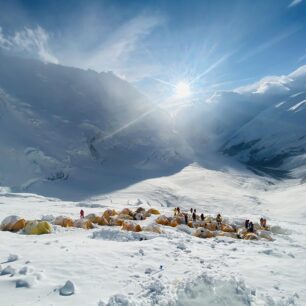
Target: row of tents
pixel 110 217
pixel 209 227
pixel 34 227
pixel 128 220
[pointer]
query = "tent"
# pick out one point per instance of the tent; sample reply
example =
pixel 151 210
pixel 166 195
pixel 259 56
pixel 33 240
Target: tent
pixel 63 221
pixel 13 223
pixel 202 232
pixel 83 223
pixel 37 228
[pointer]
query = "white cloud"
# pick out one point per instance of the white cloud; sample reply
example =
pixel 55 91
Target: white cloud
pixel 276 85
pixel 115 51
pixel 269 84
pixel 4 43
pixel 31 41
pixel 121 51
pixel 294 3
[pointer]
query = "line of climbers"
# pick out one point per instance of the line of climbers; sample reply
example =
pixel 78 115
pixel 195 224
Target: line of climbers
pixel 194 217
pixel 210 227
pixel 250 226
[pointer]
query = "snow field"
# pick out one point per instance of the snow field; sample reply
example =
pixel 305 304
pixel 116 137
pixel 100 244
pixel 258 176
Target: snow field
pixel 108 266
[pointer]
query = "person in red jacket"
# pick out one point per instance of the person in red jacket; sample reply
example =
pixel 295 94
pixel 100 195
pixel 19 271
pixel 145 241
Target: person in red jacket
pixel 82 213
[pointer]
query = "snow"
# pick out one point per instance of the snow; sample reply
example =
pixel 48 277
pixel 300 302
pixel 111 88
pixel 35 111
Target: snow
pixel 67 289
pixel 82 140
pixel 8 271
pixel 20 283
pixel 12 257
pixel 262 125
pixel 9 220
pixel 109 266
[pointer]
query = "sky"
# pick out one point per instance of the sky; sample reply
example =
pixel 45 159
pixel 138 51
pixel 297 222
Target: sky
pixel 157 44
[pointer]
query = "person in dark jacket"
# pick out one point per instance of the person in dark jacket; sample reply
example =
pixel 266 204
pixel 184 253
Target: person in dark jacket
pixel 186 218
pixel 246 223
pixel 251 227
pixel 219 219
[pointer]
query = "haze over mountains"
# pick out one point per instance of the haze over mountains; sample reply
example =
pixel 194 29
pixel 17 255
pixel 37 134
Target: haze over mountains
pixel 262 125
pixel 66 124
pixel 69 131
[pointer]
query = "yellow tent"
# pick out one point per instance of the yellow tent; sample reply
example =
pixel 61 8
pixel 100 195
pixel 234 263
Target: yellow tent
pixel 83 223
pixel 13 224
pixel 162 219
pixel 153 211
pixel 63 221
pixel 37 228
pixel 202 232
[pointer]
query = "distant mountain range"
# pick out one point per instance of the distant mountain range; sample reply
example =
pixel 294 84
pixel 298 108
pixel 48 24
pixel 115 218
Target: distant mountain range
pixel 66 124
pixel 263 125
pixel 65 129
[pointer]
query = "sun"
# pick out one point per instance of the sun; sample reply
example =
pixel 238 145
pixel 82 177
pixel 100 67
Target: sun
pixel 182 89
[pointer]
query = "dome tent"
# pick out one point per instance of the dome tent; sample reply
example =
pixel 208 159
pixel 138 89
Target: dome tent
pixel 37 228
pixel 12 223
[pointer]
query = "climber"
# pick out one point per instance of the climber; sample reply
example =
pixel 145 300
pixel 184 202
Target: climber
pixel 194 216
pixel 246 223
pixel 82 213
pixel 263 222
pixel 175 211
pixel 191 210
pixel 251 227
pixel 202 217
pixel 219 219
pixel 186 218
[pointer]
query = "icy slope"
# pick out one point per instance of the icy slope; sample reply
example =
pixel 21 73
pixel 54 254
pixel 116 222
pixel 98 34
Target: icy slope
pixel 63 128
pixel 263 124
pixel 274 141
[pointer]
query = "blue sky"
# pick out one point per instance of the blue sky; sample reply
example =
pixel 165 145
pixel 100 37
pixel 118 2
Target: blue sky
pixel 212 44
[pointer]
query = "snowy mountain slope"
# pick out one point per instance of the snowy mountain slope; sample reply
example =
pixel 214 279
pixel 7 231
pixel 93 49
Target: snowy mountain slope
pixel 262 124
pixel 78 134
pixel 109 266
pixel 274 141
pixel 74 126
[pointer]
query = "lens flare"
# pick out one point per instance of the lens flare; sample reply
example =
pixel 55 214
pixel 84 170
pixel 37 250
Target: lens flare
pixel 182 90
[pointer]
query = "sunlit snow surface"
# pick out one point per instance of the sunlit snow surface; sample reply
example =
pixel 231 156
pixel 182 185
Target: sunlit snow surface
pixel 111 267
